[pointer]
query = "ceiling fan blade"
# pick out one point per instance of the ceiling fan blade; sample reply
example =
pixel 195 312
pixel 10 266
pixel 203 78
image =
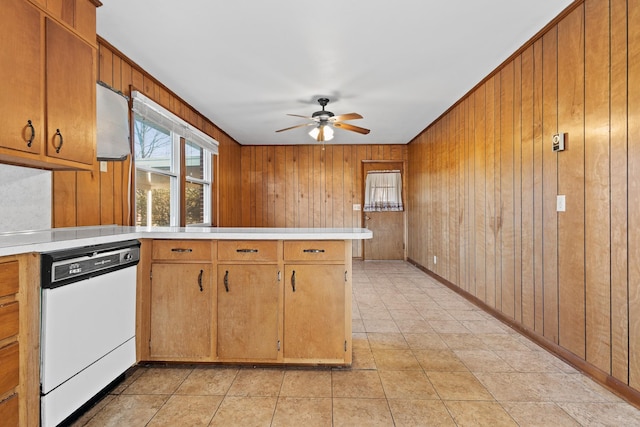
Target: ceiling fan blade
pixel 297 126
pixel 343 117
pixel 352 128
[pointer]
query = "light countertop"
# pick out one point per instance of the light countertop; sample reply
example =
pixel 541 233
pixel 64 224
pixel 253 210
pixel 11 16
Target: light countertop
pixel 63 238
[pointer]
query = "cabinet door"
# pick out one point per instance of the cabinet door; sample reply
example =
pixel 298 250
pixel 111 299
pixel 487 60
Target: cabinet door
pixel 9 411
pixel 314 310
pixel 71 96
pixel 21 108
pixel 248 307
pixel 181 312
pixel 9 367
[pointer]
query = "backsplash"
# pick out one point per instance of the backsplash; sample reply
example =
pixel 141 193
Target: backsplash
pixel 25 198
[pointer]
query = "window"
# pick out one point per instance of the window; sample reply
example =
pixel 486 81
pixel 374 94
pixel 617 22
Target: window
pixel 156 174
pixel 383 191
pixel 174 168
pixel 197 184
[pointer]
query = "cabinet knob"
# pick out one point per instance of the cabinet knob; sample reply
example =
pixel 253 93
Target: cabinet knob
pixel 33 133
pixel 59 146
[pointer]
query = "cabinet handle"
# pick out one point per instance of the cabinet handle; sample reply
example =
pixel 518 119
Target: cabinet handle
pixel 33 133
pixel 279 276
pixel 59 146
pixel 293 281
pixel 313 251
pixel 181 250
pixel 200 279
pixel 247 251
pixel 226 280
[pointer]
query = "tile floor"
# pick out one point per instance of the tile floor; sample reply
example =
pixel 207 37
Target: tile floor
pixel 423 356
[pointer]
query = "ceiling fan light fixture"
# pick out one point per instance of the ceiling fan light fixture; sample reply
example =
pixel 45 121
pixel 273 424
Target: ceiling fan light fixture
pixel 328 133
pixel 327 130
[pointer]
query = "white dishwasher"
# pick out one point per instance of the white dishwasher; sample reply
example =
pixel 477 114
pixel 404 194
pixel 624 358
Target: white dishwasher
pixel 88 319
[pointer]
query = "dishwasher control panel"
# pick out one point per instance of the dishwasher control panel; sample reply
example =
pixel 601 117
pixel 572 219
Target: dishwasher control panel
pixel 69 265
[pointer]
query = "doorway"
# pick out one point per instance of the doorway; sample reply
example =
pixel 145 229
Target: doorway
pixel 387 227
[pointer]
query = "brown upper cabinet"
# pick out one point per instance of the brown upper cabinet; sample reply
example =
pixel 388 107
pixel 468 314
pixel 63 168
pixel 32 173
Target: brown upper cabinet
pixel 48 108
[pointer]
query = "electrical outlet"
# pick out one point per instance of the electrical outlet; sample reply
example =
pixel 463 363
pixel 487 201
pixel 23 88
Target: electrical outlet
pixel 356 206
pixel 561 203
pixel 435 259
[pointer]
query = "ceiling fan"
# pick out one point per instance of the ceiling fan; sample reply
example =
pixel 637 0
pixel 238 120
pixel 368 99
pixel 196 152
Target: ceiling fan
pixel 323 121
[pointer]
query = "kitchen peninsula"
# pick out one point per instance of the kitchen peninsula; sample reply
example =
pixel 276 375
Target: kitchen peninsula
pixel 237 295
pixel 246 295
pixel 214 295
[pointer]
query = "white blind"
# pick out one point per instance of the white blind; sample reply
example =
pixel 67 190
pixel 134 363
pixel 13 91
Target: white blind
pixel 383 191
pixel 149 110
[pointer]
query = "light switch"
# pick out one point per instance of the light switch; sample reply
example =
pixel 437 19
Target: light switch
pixel 103 167
pixel 561 204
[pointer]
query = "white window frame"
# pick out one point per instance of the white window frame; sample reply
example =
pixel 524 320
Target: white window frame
pixel 207 172
pixel 151 111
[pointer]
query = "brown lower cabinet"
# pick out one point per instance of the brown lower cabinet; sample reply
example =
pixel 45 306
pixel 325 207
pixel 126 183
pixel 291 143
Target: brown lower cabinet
pixel 248 312
pixel 314 313
pixel 9 411
pixel 181 312
pixel 19 340
pixel 251 313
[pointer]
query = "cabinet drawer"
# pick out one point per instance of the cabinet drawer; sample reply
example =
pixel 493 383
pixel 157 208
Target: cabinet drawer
pixel 182 250
pixel 9 367
pixel 314 250
pixel 247 250
pixel 9 278
pixel 9 320
pixel 9 411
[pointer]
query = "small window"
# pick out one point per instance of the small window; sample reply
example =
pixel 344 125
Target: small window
pixel 156 174
pixel 383 191
pixel 198 185
pixel 194 161
pixel 153 199
pixel 153 145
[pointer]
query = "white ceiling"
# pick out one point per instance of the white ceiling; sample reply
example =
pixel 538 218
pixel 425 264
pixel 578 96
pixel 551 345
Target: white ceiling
pixel 245 64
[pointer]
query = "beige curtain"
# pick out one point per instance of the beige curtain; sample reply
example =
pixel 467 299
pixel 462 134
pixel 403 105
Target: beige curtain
pixel 383 191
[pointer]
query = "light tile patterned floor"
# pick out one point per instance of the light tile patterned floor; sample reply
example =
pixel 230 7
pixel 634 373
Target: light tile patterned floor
pixel 423 356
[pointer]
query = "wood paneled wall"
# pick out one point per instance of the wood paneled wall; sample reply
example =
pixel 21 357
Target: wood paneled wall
pixel 307 185
pixel 483 182
pixel 96 198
